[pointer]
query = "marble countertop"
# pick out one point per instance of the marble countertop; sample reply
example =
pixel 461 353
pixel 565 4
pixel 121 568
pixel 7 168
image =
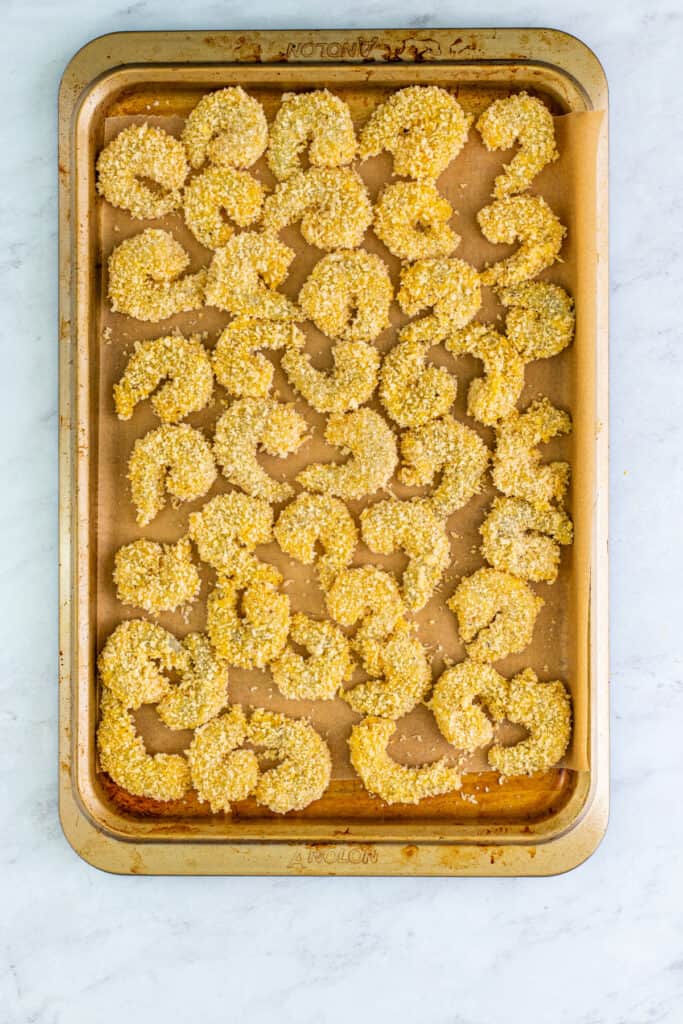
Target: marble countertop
pixel 601 945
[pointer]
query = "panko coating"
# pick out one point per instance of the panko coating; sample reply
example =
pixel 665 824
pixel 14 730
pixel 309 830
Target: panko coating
pixel 134 660
pixel 318 120
pixel 332 204
pixel 238 364
pixel 524 119
pixel 517 467
pixel 447 447
pixel 524 540
pixel 369 596
pixel 137 153
pixel 228 529
pixel 247 623
pixel 411 218
pixel 216 191
pixel 319 675
pixel 156 577
pixel 221 773
pixel 173 370
pixel 372 446
pixel 496 614
pixel 530 221
pixel 145 277
pixel 244 274
pixel 404 678
pixel 305 767
pixel 228 127
pixel 449 286
pixel 492 396
pixel 176 458
pixel 313 519
pixel 351 381
pixel 202 692
pixel 347 295
pixel 411 391
pixel 540 318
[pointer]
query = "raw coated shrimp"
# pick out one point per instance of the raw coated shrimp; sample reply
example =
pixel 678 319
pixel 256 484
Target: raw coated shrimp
pixel 351 381
pixel 145 277
pixel 392 782
pixel 411 218
pixel 156 577
pixel 496 614
pixel 305 767
pixel 228 529
pixel 524 540
pixel 318 518
pixel 244 274
pixel 176 458
pixel 450 448
pixel 220 772
pixel 238 365
pixel 517 468
pixel 184 365
pixel 524 119
pixel 142 151
pixel 540 319
pixel 424 128
pixel 247 623
pixel 332 204
pixel 492 396
pixel 319 118
pixel 411 391
pixel 134 659
pixel 405 678
pixel 215 191
pixel 372 445
pixel 250 425
pixel 202 692
pixel 328 666
pixel 347 295
pixel 449 286
pixel 529 220
pixel 227 126
pixel 369 596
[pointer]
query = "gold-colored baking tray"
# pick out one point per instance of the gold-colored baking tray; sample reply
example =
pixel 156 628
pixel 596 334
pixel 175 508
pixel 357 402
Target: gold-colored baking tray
pixel 540 825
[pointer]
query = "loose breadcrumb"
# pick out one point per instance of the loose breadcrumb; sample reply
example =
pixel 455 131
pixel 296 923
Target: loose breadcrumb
pixel 142 151
pixel 175 458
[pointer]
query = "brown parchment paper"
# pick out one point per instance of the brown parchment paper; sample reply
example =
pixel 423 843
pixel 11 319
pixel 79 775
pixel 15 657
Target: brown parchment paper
pixel 560 646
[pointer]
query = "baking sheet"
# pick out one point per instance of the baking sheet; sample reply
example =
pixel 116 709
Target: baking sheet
pixel 559 649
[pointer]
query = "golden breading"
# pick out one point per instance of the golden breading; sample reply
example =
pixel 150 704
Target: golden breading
pixel 220 772
pixel 176 458
pixel 449 286
pixel 529 220
pixel 424 127
pixel 156 577
pixel 145 277
pixel 544 709
pixel 123 757
pixel 347 295
pixel 202 692
pixel 409 526
pixel 228 529
pixel 228 127
pixel 517 468
pixel 216 191
pixel 332 204
pixel 238 365
pixel 247 623
pixel 244 274
pixel 411 218
pixel 134 659
pixel 372 446
pixel 405 678
pixel 251 425
pixel 350 382
pixel 184 365
pixel 524 540
pixel 524 119
pixel 318 519
pixel 369 596
pixel 411 391
pixel 318 120
pixel 142 152
pixel 451 449
pixel 492 396
pixel 540 319
pixel 496 614
pixel 305 767
pixel 328 666
pixel 392 782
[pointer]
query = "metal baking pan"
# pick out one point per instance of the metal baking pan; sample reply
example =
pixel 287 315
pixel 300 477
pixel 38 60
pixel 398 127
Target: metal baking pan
pixel 539 825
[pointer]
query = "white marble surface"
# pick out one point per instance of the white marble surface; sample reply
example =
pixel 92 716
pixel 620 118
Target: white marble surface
pixel 601 945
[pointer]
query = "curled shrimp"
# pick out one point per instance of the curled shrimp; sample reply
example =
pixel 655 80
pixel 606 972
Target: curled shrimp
pixel 202 692
pixel 247 623
pixel 318 518
pixel 145 277
pixel 392 782
pixel 122 755
pixel 351 381
pixel 347 295
pixel 176 458
pixel 405 678
pixel 184 365
pixel 305 767
pixel 543 708
pixel 529 220
pixel 228 529
pixel 496 614
pixel 332 204
pixel 215 191
pixel 449 286
pixel 450 448
pixel 221 773
pixel 134 659
pixel 410 391
pixel 411 218
pixel 319 118
pixel 423 127
pixel 138 152
pixel 156 577
pixel 410 526
pixel 369 596
pixel 244 274
pixel 492 396
pixel 251 424
pixel 238 365
pixel 227 126
pixel 372 445
pixel 328 666
pixel 524 540
pixel 517 468
pixel 540 319
pixel 525 119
